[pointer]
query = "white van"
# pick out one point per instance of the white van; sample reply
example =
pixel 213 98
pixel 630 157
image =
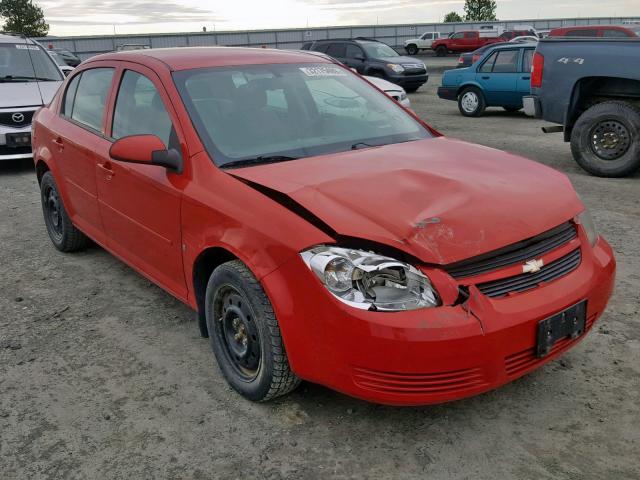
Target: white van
pixel 29 78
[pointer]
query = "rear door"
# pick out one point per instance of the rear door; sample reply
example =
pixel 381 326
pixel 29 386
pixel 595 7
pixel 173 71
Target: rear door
pixel 498 77
pixel 524 79
pixel 75 137
pixel 140 204
pixel 354 58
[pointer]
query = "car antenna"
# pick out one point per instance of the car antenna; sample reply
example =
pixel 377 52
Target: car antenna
pixel 33 66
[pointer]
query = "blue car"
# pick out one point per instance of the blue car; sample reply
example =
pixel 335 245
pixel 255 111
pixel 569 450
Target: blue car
pixel 500 78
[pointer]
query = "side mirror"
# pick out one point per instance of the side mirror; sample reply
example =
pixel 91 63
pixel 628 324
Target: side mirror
pixel 146 149
pixel 359 56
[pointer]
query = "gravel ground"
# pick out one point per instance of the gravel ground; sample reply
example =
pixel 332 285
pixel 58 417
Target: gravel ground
pixel 103 375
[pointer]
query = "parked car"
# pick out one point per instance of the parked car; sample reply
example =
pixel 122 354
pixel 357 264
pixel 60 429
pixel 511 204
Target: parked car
pixel 62 65
pixel 500 78
pixel 604 31
pixel 415 45
pixel 591 88
pixel 69 58
pixel 321 231
pixel 525 39
pixel 469 58
pixel 394 91
pixel 28 79
pixel 470 41
pixel 375 59
pixel 131 46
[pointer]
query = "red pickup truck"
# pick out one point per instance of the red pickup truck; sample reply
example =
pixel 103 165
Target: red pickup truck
pixel 469 41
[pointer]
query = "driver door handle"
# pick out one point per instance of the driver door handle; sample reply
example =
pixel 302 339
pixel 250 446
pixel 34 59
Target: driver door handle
pixel 106 169
pixel 59 143
pixel 486 78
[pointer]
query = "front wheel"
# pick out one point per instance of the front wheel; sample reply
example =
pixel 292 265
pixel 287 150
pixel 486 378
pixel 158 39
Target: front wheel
pixel 471 102
pixel 605 140
pixel 412 49
pixel 245 335
pixel 441 51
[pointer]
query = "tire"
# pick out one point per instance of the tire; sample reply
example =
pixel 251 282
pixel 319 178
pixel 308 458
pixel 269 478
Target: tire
pixel 245 336
pixel 441 51
pixel 412 49
pixel 512 109
pixel 411 89
pixel 62 232
pixel 377 74
pixel 605 140
pixel 471 102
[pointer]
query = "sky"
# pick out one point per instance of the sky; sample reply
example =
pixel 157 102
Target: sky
pixel 89 17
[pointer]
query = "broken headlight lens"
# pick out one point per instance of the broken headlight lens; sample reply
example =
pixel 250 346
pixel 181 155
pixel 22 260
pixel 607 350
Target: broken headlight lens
pixel 370 281
pixel 586 221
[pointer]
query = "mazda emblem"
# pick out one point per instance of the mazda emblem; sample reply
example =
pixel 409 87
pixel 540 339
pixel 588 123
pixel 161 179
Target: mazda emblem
pixel 17 117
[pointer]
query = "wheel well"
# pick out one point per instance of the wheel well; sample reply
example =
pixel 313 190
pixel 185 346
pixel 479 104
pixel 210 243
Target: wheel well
pixel 590 91
pixel 205 264
pixel 41 169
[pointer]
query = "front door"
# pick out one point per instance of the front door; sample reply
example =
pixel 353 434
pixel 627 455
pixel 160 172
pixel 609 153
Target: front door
pixel 354 58
pixel 140 204
pixel 498 77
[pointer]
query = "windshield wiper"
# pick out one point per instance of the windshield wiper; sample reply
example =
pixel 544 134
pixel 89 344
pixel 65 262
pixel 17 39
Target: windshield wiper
pixel 245 162
pixel 19 78
pixel 358 145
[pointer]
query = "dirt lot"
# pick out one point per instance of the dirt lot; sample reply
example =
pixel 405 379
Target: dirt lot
pixel 103 375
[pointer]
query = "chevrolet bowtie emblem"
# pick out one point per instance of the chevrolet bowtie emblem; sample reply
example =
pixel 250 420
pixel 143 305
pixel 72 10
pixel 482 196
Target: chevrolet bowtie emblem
pixel 532 266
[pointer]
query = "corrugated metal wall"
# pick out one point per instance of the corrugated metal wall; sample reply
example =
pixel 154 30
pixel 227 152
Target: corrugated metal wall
pixel 394 35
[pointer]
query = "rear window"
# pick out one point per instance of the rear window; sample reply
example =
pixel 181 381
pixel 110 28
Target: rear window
pixel 613 33
pixel 585 32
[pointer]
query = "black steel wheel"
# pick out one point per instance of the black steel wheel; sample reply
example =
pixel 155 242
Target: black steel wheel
pixel 605 141
pixel 411 49
pixel 245 335
pixel 63 233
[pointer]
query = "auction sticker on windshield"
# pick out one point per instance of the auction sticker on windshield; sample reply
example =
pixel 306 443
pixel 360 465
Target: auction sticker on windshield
pixel 323 71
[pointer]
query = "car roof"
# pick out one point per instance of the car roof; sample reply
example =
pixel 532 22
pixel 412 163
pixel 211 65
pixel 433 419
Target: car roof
pixel 15 38
pixel 186 58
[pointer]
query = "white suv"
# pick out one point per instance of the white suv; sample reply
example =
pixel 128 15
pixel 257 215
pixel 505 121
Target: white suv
pixel 414 45
pixel 29 78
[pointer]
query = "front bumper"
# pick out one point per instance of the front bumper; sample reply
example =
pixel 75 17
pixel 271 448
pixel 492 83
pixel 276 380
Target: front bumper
pixel 532 106
pixel 448 93
pixel 431 355
pixel 408 81
pixel 8 152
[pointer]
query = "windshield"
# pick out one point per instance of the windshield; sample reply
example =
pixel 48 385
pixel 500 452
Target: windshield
pixel 379 50
pixel 261 112
pixel 20 62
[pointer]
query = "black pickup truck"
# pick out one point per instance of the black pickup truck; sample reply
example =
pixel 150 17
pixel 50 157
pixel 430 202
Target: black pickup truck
pixel 592 89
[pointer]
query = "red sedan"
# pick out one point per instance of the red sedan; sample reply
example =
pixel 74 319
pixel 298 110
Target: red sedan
pixel 319 230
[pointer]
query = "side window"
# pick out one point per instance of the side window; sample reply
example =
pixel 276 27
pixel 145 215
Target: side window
pixel 527 59
pixel 353 52
pixel 91 97
pixel 585 32
pixel 457 36
pixel 427 36
pixel 610 33
pixel 70 95
pixel 337 50
pixel 487 66
pixel 469 35
pixel 506 62
pixel 140 110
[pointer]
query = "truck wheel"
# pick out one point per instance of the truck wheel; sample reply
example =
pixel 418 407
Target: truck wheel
pixel 471 102
pixel 411 49
pixel 245 336
pixel 605 140
pixel 441 51
pixel 63 233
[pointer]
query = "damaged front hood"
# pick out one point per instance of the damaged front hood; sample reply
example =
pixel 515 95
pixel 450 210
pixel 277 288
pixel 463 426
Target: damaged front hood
pixel 439 200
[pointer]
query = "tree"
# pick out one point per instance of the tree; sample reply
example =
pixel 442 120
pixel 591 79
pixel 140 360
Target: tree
pixel 452 17
pixel 23 16
pixel 479 10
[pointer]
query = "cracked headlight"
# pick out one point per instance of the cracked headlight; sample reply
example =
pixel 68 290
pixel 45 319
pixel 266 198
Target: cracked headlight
pixel 586 221
pixel 395 67
pixel 370 281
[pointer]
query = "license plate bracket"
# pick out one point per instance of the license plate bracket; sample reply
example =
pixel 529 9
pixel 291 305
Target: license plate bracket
pixel 568 323
pixel 18 139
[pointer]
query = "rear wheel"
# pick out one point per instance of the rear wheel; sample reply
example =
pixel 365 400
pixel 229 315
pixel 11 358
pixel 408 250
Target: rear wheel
pixel 245 335
pixel 605 140
pixel 411 49
pixel 471 102
pixel 441 51
pixel 62 232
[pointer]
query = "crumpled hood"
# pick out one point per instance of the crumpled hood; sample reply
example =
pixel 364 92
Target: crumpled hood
pixel 26 94
pixel 439 200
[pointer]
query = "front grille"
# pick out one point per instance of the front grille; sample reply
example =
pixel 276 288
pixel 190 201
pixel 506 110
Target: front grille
pixel 4 150
pixel 420 383
pixel 9 118
pixel 527 281
pixel 513 254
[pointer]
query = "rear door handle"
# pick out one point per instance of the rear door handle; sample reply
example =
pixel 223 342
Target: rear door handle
pixel 58 141
pixel 486 78
pixel 526 78
pixel 106 169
